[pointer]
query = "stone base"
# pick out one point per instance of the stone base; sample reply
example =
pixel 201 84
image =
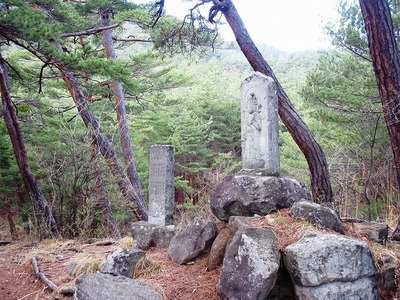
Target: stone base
pixel 146 235
pixel 250 194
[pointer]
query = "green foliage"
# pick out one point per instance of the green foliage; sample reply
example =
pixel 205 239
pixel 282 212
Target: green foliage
pixel 346 115
pixel 194 105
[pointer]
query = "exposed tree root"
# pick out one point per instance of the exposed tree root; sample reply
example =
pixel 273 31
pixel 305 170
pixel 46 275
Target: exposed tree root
pixel 69 290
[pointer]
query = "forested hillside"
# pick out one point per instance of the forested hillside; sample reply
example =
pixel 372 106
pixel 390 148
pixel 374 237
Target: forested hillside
pixel 177 91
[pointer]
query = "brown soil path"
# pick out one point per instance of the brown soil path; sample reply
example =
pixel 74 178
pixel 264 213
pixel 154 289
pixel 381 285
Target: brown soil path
pixel 173 281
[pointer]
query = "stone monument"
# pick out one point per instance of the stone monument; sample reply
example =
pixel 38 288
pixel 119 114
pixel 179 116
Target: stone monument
pixel 161 185
pixel 259 125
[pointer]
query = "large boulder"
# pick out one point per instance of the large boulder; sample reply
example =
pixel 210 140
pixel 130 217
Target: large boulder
pixel 192 240
pixel 247 195
pixel 328 264
pixel 121 262
pixel 146 235
pixel 361 289
pixel 319 215
pixel 100 286
pixel 250 266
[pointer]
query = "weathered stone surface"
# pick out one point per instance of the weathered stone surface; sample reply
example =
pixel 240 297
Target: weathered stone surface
pixel 247 195
pixel 146 235
pixel 217 251
pixel 319 258
pixel 238 222
pixel 259 124
pixel 100 286
pixel 192 240
pixel 322 216
pixel 161 185
pixel 250 266
pixel 386 277
pixel 376 232
pixel 361 289
pixel 121 262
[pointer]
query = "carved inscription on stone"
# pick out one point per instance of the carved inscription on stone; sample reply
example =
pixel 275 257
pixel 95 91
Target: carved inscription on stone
pixel 161 185
pixel 259 124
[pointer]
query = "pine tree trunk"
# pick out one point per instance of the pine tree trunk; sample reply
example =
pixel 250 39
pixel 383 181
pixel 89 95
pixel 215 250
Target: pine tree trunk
pixel 386 61
pixel 10 218
pixel 103 197
pixel 103 144
pixel 121 111
pixel 320 182
pixel 43 211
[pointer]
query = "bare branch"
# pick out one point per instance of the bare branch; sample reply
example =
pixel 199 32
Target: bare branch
pixel 41 276
pixel 89 31
pixel 131 40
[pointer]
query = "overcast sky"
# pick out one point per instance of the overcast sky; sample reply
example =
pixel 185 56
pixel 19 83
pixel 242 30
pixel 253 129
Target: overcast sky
pixel 289 25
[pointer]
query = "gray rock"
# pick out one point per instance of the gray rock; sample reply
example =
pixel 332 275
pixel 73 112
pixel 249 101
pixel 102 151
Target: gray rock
pixel 121 262
pixel 322 216
pixel 192 240
pixel 250 266
pixel 238 222
pixel 386 277
pixel 247 195
pixel 108 287
pixel 361 289
pixel 376 232
pixel 146 235
pixel 319 258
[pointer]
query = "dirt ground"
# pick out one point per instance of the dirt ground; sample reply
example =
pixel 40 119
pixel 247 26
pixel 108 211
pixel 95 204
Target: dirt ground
pixel 62 261
pixel 173 281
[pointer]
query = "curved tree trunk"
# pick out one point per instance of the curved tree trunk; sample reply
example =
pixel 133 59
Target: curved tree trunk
pixel 121 111
pixel 104 146
pixel 320 182
pixel 386 61
pixel 42 209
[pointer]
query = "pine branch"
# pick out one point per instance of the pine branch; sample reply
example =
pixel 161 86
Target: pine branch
pixel 89 31
pixel 131 40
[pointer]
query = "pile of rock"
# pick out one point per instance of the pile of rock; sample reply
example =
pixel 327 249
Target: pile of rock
pixel 318 266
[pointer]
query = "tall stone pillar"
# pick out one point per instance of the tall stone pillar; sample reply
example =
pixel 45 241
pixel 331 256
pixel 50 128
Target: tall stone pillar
pixel 161 185
pixel 259 125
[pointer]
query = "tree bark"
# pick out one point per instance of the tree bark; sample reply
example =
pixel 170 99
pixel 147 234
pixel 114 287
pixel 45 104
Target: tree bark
pixel 386 61
pixel 41 207
pixel 319 173
pixel 10 218
pixel 103 197
pixel 121 111
pixel 103 144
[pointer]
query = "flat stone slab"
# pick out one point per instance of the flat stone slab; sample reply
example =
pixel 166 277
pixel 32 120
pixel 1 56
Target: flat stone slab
pixel 362 289
pixel 100 286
